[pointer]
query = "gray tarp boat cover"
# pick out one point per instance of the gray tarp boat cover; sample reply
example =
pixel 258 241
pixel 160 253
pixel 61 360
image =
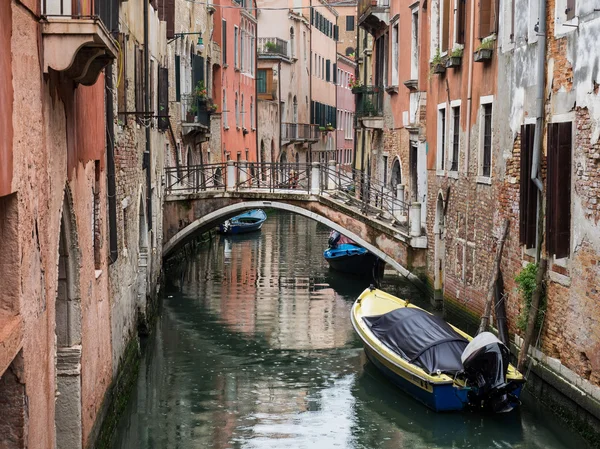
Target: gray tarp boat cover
pixel 420 338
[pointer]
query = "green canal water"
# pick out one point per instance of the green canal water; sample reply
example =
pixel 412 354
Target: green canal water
pixel 254 349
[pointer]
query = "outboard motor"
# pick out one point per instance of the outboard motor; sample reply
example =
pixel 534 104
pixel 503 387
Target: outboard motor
pixel 334 238
pixel 485 363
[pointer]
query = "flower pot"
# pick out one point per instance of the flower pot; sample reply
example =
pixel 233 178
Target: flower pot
pixel 453 61
pixel 483 54
pixel 355 90
pixel 438 68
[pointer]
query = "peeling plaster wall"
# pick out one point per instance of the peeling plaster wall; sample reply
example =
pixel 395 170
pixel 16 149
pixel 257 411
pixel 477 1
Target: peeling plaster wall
pixel 48 140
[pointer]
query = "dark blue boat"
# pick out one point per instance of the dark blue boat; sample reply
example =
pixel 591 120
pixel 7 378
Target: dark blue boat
pixel 345 255
pixel 247 222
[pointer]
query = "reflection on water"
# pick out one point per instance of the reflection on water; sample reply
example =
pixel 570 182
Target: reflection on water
pixel 254 349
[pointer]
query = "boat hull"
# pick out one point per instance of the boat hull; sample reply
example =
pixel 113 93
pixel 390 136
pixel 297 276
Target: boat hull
pixel 440 398
pixel 251 221
pixel 360 264
pixel 439 391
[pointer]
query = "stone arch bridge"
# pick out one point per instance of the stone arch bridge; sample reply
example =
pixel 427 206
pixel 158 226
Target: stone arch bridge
pixel 198 198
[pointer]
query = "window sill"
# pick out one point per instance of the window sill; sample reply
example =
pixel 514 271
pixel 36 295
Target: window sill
pixel 568 26
pixel 236 69
pixel 453 174
pixel 560 278
pixel 392 89
pixel 226 128
pixel 225 65
pixel 484 180
pixel 440 172
pixel 97 273
pixel 412 84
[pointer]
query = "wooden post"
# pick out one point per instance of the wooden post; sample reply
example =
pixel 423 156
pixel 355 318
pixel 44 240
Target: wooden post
pixel 533 311
pixel 485 318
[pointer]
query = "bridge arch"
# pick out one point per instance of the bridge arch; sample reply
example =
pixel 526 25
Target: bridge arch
pixel 212 218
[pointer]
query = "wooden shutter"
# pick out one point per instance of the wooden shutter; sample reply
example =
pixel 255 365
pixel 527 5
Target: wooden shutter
pixel 224 49
pixel 461 19
pixel 528 190
pixel 335 80
pixel 485 18
pixel 349 23
pixel 122 76
pixel 163 98
pixel 166 13
pixel 177 78
pixel 570 11
pixel 336 32
pixel 558 213
pixel 198 69
pixel 328 70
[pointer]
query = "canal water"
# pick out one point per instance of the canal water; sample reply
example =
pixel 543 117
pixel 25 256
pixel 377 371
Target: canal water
pixel 254 349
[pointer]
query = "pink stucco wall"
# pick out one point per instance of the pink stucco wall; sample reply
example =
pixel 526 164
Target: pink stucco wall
pixel 6 99
pixel 42 153
pixel 230 79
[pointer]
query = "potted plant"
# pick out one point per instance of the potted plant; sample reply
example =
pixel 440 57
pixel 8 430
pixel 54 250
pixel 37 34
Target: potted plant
pixel 200 91
pixel 354 84
pixel 484 51
pixel 329 127
pixel 437 64
pixel 212 107
pixel 192 111
pixel 271 47
pixel 455 58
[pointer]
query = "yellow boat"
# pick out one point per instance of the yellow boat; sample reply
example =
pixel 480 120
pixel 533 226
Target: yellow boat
pixel 435 362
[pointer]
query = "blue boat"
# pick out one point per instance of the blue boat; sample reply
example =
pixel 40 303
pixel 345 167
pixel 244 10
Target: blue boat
pixel 345 255
pixel 247 222
pixel 433 361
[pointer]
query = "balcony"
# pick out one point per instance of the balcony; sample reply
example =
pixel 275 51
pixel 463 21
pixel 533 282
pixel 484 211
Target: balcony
pixel 373 15
pixel 195 117
pixel 76 41
pixel 273 47
pixel 299 132
pixel 369 106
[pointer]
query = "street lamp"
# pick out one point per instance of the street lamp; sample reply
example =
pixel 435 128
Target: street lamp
pixel 199 45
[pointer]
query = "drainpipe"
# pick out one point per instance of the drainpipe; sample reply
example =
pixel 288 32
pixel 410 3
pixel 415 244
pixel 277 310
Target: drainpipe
pixel 468 132
pixel 147 159
pixel 110 166
pixel 539 121
pixel 279 104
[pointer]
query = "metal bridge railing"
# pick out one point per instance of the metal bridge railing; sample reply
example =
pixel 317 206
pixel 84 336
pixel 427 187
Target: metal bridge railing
pixel 351 187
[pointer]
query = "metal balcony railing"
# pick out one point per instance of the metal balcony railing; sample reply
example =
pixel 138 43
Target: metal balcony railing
pixel 369 101
pixel 365 5
pixel 299 132
pixel 195 110
pixel 273 46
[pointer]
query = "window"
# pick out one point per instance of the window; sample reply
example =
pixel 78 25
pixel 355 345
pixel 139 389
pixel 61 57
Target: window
pixel 224 39
pixel 304 43
pixel 139 82
pixel 243 113
pixel 455 137
pixel 461 19
pixel 570 9
pixel 441 136
pixel 235 47
pixel 488 17
pixel 486 141
pixel 414 46
pixel 264 83
pixel 328 70
pixel 349 23
pixel 444 25
pixel 96 224
pixel 252 112
pixel 395 55
pixel 225 109
pixel 292 43
pixel 237 111
pixel 558 201
pixel 122 87
pixel 528 190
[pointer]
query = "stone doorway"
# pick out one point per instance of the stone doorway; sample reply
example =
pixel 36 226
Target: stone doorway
pixel 67 418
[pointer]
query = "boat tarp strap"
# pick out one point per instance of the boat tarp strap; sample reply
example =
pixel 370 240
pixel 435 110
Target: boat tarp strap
pixel 420 338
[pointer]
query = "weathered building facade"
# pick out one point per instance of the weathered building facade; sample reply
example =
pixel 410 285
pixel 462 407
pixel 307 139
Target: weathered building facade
pixel 346 68
pixel 55 334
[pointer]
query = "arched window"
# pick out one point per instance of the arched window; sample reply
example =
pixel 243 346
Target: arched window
pixel 349 51
pixel 295 110
pixel 292 43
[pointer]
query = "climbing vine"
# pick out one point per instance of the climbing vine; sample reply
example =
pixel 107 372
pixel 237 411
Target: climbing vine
pixel 526 282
